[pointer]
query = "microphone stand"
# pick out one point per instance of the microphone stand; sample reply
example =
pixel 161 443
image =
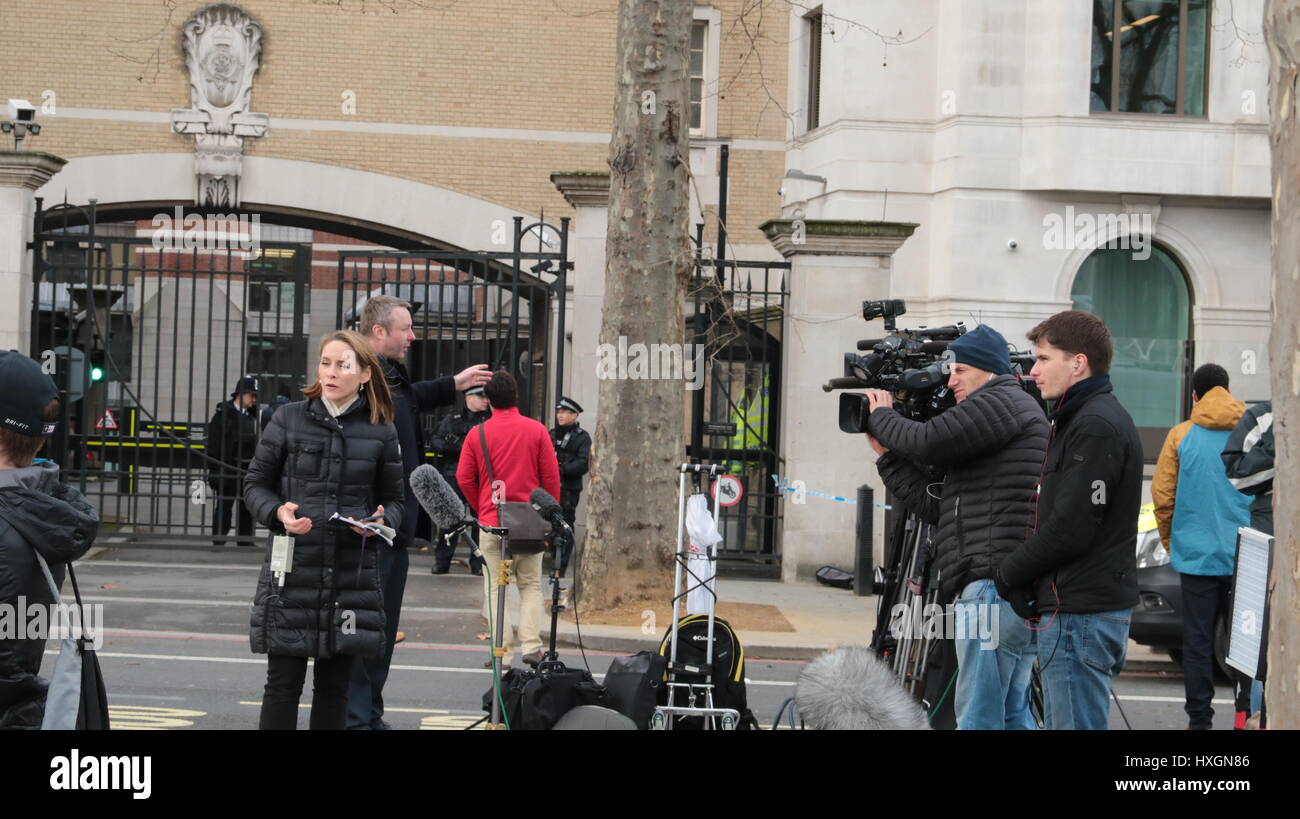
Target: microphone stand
pixel 551 662
pixel 503 579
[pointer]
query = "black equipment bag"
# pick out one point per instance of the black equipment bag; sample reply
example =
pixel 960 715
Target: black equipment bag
pixel 552 694
pixel 940 686
pixel 512 692
pixel 632 685
pixel 836 578
pixel 535 702
pixel 728 676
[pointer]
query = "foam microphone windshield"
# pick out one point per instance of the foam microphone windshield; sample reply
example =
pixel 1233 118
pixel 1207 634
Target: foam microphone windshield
pixel 546 505
pixel 852 689
pixel 443 506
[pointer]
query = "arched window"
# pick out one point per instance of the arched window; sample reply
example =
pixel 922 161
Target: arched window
pixel 1147 306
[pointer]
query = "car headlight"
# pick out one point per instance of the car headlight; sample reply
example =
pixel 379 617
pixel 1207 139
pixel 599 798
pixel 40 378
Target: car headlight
pixel 1149 551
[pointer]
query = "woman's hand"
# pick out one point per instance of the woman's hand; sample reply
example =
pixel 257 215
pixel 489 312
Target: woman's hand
pixel 292 524
pixel 377 517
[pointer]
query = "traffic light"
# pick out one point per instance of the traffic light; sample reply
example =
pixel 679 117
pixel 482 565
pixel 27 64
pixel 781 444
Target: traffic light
pixel 98 367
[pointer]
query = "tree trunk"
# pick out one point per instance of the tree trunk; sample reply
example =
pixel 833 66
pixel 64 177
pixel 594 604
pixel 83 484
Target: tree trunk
pixel 632 506
pixel 1282 692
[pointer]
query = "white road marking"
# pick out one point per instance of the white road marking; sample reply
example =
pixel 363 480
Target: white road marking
pixel 242 603
pixel 395 666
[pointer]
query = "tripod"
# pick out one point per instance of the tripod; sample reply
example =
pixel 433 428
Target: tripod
pixel 907 588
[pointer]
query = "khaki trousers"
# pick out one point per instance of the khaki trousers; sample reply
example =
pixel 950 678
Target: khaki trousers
pixel 528 577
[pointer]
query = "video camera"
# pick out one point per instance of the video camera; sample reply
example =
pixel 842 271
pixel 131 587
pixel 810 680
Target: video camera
pixel 913 365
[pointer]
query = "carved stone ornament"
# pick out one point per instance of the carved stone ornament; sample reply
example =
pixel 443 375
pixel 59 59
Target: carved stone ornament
pixel 223 49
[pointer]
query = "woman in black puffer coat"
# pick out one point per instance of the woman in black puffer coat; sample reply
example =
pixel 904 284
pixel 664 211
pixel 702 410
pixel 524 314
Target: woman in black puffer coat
pixel 335 452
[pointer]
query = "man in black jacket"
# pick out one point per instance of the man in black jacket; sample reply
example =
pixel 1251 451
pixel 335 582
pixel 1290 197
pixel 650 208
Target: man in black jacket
pixel 447 441
pixel 573 451
pixel 232 440
pixel 1078 570
pixel 971 471
pixel 40 518
pixel 386 323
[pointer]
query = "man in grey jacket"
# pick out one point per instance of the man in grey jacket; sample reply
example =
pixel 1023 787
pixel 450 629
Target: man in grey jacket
pixel 971 472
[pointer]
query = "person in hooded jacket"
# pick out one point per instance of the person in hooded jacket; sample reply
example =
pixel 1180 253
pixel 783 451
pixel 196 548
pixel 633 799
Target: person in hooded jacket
pixel 335 452
pixel 38 516
pixel 1198 511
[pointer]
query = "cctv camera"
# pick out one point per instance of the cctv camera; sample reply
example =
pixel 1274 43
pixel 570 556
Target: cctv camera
pixel 21 111
pixel 781 191
pixel 1012 244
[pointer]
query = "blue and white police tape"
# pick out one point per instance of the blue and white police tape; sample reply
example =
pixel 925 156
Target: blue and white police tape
pixel 786 487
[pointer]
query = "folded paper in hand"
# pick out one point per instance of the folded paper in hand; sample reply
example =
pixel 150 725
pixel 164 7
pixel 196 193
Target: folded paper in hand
pixel 386 532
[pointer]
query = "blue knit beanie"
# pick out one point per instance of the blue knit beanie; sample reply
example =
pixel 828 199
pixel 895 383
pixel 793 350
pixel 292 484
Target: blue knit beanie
pixel 984 348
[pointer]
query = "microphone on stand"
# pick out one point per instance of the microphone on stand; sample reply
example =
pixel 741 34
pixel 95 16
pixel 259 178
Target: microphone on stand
pixel 441 503
pixel 548 508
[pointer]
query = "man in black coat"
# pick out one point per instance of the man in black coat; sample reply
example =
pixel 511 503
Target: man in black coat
pixel 447 442
pixel 573 451
pixel 971 472
pixel 232 440
pixel 1078 570
pixel 386 323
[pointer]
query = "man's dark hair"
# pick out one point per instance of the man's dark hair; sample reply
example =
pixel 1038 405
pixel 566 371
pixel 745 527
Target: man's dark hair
pixel 501 391
pixel 21 449
pixel 1207 377
pixel 1078 333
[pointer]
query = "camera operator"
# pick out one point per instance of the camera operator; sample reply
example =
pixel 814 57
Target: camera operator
pixel 988 449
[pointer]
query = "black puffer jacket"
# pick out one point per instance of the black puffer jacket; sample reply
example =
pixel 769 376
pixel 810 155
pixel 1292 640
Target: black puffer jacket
pixel 987 451
pixel 37 513
pixel 331 602
pixel 1081 557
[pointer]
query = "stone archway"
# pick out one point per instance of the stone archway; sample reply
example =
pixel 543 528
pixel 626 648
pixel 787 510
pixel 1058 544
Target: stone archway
pixel 376 203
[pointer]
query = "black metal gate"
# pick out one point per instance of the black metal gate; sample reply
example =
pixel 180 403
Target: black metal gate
pixel 503 308
pixel 146 331
pixel 738 323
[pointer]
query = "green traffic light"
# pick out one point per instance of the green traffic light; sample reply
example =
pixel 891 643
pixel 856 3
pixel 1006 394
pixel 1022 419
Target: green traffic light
pixel 96 374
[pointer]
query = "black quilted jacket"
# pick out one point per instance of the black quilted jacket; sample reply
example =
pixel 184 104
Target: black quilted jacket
pixel 987 451
pixel 331 602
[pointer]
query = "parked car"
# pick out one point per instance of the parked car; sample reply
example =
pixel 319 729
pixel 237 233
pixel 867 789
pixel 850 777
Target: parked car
pixel 1158 618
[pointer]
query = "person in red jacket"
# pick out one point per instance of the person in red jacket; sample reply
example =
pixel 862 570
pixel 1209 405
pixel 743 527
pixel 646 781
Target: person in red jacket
pixel 523 459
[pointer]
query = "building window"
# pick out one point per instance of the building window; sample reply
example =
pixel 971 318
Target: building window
pixel 1161 53
pixel 813 28
pixel 1147 306
pixel 699 36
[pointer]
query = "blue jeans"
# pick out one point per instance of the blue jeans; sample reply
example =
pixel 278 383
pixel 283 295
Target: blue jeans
pixel 1077 656
pixel 995 658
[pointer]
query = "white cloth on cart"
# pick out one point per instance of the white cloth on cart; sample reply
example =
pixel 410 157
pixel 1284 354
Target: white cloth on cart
pixel 702 531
